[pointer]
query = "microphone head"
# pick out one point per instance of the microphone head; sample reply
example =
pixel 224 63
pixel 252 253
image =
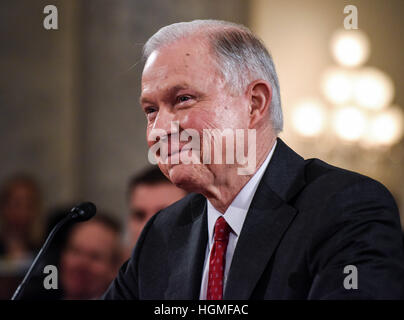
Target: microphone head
pixel 83 212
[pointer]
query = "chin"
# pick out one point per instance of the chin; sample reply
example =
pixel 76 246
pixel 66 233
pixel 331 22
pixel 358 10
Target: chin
pixel 186 176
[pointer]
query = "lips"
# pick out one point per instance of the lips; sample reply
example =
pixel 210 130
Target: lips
pixel 174 152
pixel 173 156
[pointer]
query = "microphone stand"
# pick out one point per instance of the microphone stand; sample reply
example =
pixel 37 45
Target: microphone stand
pixel 82 212
pixel 17 294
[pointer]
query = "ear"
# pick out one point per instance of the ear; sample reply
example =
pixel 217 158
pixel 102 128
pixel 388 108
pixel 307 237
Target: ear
pixel 260 97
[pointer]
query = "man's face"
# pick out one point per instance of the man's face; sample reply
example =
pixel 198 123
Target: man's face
pixel 181 83
pixel 87 266
pixel 145 200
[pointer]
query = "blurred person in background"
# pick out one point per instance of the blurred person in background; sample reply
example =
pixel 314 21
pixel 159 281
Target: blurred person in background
pixel 91 258
pixel 20 211
pixel 148 192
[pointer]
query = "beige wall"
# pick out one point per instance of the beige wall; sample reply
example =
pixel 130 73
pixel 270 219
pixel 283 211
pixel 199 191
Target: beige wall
pixel 38 97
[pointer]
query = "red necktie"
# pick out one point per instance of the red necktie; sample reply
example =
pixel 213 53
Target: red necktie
pixel 217 260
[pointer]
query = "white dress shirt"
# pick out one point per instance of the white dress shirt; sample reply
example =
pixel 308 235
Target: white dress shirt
pixel 234 216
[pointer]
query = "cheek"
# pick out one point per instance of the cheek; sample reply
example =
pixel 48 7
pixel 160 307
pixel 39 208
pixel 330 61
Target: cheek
pixel 100 268
pixel 199 119
pixel 222 113
pixel 234 114
pixel 68 262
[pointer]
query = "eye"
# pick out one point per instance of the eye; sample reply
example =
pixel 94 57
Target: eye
pixel 149 110
pixel 183 98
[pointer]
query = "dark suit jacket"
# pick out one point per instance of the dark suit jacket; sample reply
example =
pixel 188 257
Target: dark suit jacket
pixel 308 220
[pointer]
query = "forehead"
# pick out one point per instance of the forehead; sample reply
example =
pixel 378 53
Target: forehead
pixel 91 234
pixel 186 61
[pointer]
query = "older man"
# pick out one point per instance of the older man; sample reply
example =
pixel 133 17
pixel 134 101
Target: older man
pixel 292 229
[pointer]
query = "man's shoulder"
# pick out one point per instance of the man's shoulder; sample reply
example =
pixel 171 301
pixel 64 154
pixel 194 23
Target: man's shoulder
pixel 326 180
pixel 316 168
pixel 323 173
pixel 294 178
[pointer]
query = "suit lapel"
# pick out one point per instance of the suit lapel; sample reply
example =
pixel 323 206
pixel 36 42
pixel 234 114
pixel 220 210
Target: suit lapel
pixel 267 220
pixel 187 253
pixel 261 233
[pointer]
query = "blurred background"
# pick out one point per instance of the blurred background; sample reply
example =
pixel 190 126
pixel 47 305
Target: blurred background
pixel 71 128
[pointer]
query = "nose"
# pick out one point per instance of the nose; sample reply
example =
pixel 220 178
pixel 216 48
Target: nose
pixel 164 125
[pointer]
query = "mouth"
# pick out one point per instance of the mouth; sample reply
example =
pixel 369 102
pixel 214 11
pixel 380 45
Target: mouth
pixel 173 153
pixel 175 156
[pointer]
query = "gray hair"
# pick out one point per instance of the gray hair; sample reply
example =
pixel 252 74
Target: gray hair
pixel 241 55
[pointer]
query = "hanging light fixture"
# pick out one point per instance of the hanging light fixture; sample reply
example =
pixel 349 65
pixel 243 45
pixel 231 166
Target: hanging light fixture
pixel 373 88
pixel 359 97
pixel 386 128
pixel 309 117
pixel 337 85
pixel 349 123
pixel 350 48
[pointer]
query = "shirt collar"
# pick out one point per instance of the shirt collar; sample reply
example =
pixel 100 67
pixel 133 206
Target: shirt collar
pixel 237 211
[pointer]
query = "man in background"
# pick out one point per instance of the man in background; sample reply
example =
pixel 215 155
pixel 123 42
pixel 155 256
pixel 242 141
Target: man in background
pixel 148 192
pixel 91 258
pixel 20 230
pixel 20 210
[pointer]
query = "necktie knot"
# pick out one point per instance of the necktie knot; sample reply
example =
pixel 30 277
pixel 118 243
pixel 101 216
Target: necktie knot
pixel 222 230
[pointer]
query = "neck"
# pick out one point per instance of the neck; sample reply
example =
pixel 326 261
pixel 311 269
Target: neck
pixel 227 185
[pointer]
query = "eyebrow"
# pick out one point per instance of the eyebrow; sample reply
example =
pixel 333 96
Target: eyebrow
pixel 168 92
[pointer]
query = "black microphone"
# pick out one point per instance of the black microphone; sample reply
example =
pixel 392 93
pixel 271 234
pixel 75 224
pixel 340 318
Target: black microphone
pixel 83 212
